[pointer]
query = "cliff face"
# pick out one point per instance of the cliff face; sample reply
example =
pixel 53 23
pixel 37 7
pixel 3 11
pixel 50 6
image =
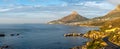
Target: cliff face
pixel 73 17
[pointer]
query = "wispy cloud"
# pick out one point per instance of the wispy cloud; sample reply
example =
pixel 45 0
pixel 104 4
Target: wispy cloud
pixel 4 10
pixel 44 13
pixel 116 2
pixel 100 5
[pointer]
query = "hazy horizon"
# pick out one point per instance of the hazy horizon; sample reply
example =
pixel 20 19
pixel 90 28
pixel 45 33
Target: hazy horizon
pixel 42 11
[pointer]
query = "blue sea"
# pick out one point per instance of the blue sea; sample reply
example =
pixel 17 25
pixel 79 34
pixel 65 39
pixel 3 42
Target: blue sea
pixel 41 36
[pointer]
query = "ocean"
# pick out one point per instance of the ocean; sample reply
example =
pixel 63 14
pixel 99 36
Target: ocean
pixel 41 36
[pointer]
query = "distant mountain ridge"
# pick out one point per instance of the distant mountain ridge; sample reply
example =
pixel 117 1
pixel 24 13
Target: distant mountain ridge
pixel 116 10
pixel 73 17
pixel 114 13
pixel 76 19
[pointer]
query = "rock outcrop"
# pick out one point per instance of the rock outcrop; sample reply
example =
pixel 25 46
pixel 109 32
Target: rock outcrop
pixel 73 35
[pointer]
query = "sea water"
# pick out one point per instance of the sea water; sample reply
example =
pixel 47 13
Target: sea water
pixel 41 36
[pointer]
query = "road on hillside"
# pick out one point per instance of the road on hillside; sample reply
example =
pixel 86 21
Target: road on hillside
pixel 110 44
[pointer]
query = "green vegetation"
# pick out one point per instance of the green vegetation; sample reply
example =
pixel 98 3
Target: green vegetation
pixel 110 29
pixel 115 38
pixel 95 34
pixel 95 44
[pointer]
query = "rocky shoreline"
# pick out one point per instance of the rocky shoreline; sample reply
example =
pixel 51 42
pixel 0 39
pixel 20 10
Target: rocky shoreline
pixel 4 46
pixel 109 29
pixel 112 30
pixel 73 35
pixel 102 39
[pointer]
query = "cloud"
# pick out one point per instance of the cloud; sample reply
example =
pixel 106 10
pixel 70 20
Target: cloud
pixel 116 2
pixel 71 1
pixel 100 5
pixel 63 7
pixel 49 12
pixel 4 10
pixel 77 1
pixel 90 3
pixel 39 13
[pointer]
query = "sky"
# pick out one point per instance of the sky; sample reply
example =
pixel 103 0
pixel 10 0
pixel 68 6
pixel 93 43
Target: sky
pixel 43 11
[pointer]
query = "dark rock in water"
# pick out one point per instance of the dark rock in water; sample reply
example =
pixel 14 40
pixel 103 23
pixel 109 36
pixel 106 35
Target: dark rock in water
pixel 14 34
pixel 2 35
pixel 18 34
pixel 73 34
pixel 4 47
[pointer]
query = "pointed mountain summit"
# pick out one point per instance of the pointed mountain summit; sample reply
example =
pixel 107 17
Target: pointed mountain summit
pixel 73 17
pixel 118 8
pixel 114 13
pixel 74 12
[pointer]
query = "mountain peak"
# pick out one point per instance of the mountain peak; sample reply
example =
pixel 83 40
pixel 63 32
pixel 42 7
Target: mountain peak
pixel 74 12
pixel 118 8
pixel 115 11
pixel 73 17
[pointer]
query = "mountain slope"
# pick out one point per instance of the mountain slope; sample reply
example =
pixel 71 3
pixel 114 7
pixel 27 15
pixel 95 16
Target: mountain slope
pixel 75 19
pixel 112 14
pixel 98 21
pixel 112 23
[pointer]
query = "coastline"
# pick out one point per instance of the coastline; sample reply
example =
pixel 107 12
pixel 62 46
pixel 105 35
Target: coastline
pixel 87 43
pixel 89 26
pixel 76 25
